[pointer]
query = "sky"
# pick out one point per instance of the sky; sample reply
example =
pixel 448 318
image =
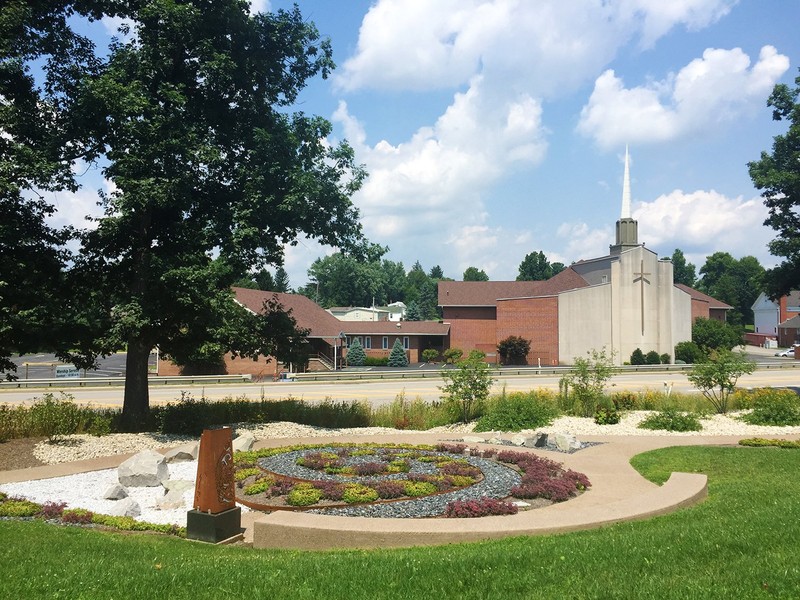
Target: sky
pixel 495 128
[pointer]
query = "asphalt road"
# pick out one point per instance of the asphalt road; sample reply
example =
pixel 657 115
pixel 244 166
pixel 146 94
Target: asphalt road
pixel 382 392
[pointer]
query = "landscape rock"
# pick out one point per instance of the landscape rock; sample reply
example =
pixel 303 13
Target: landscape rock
pixel 567 442
pixel 538 440
pixel 178 485
pixel 171 500
pixel 243 443
pixel 184 453
pixel 473 439
pixel 145 469
pixel 127 507
pixel 115 492
pixel 518 440
pixel 495 440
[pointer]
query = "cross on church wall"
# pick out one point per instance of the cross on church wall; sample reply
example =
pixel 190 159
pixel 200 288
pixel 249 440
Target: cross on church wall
pixel 641 278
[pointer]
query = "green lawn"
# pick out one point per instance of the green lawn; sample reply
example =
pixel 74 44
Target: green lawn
pixel 742 542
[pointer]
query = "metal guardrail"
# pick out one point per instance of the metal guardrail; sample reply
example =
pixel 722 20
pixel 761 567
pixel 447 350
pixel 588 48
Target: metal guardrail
pixel 507 371
pixel 71 382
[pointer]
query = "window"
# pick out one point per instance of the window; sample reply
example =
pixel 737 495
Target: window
pixel 406 345
pixel 367 342
pixel 385 342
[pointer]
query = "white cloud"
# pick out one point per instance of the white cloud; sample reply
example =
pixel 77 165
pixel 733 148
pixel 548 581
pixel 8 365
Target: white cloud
pixel 659 16
pixel 703 222
pixel 259 6
pixel 584 242
pixel 717 88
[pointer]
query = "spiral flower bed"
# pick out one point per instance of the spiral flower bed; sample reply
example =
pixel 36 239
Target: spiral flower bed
pixel 405 481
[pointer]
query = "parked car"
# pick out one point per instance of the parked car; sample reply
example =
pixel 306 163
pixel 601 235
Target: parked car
pixel 788 352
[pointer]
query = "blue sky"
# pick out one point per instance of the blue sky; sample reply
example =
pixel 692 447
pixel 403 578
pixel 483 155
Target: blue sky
pixel 495 128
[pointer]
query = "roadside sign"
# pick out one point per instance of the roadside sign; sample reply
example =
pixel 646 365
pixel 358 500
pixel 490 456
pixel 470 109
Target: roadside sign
pixel 67 372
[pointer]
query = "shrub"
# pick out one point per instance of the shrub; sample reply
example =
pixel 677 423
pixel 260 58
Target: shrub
pixel 355 354
pixel 624 400
pixel 77 516
pixel 775 407
pixel 514 350
pixel 186 416
pixel 606 416
pixel 331 490
pixel 717 378
pixel 689 352
pixel 356 493
pixel 429 355
pixel 582 388
pixel 52 510
pixel 652 358
pixel 453 355
pixel 419 488
pixel 467 387
pixel 390 488
pixel 555 489
pixel 416 414
pixel 671 419
pixel 665 359
pixel 479 508
pixel 56 417
pixel 368 469
pixel 303 495
pixel 637 357
pixel 259 487
pixel 376 361
pixel 761 442
pixel 517 411
pixel 18 507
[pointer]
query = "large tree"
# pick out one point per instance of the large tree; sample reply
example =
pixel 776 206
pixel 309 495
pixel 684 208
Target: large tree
pixel 683 272
pixel 212 175
pixel 536 267
pixel 39 141
pixel 734 281
pixel 778 174
pixel 475 274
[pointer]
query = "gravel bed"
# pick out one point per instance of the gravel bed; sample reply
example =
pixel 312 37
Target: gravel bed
pixel 497 483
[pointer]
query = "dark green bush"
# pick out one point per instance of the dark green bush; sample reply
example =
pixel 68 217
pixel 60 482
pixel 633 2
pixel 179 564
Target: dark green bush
pixel 606 415
pixel 665 359
pixel 652 358
pixel 690 353
pixel 377 361
pixel 637 357
pixel 517 411
pixel 672 419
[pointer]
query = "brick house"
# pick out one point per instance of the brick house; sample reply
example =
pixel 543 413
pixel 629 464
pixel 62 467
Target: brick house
pixel 328 337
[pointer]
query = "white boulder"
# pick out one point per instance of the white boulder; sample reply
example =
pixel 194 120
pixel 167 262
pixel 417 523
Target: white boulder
pixel 145 469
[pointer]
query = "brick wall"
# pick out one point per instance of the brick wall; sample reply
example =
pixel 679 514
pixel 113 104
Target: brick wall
pixel 472 328
pixel 534 319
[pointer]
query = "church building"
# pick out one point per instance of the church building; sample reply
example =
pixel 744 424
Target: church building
pixel 618 302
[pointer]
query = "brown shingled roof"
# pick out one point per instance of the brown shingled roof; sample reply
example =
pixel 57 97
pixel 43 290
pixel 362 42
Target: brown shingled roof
pixel 305 311
pixel 486 293
pixel 395 328
pixel 697 295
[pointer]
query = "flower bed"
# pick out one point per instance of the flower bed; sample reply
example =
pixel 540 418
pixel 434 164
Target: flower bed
pixel 399 480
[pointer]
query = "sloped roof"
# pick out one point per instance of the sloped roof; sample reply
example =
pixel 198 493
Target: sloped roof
pixel 487 293
pixel 697 295
pixel 323 324
pixel 793 323
pixel 306 312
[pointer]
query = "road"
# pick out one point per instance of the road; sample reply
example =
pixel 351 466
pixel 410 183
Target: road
pixel 383 392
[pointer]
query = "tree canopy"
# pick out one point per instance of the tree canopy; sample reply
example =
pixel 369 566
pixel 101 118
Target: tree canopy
pixel 735 282
pixel 212 174
pixel 683 272
pixel 475 274
pixel 536 267
pixel 778 174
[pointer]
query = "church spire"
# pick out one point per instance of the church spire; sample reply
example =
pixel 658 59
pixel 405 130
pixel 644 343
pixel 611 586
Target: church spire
pixel 627 227
pixel 626 188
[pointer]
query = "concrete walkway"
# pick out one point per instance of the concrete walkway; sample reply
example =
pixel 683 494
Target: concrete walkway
pixel 618 493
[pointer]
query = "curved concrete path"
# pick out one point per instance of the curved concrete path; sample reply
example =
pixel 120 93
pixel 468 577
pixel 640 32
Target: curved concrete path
pixel 618 493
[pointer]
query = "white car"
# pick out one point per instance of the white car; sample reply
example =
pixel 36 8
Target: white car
pixel 788 352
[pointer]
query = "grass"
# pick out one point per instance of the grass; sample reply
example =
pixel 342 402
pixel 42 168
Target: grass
pixel 740 543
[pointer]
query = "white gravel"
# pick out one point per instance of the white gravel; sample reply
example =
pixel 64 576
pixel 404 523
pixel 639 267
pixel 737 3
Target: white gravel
pixel 86 490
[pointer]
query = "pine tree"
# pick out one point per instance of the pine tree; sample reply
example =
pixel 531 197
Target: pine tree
pixel 397 357
pixel 413 313
pixel 356 357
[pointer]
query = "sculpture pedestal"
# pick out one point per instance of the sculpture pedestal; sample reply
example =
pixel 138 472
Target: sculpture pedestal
pixel 214 527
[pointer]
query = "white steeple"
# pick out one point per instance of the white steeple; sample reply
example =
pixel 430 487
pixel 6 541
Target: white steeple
pixel 626 188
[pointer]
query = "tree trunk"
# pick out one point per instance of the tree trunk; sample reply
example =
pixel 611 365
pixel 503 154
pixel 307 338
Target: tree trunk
pixel 136 406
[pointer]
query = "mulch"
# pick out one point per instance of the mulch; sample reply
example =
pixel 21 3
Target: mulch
pixel 18 454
